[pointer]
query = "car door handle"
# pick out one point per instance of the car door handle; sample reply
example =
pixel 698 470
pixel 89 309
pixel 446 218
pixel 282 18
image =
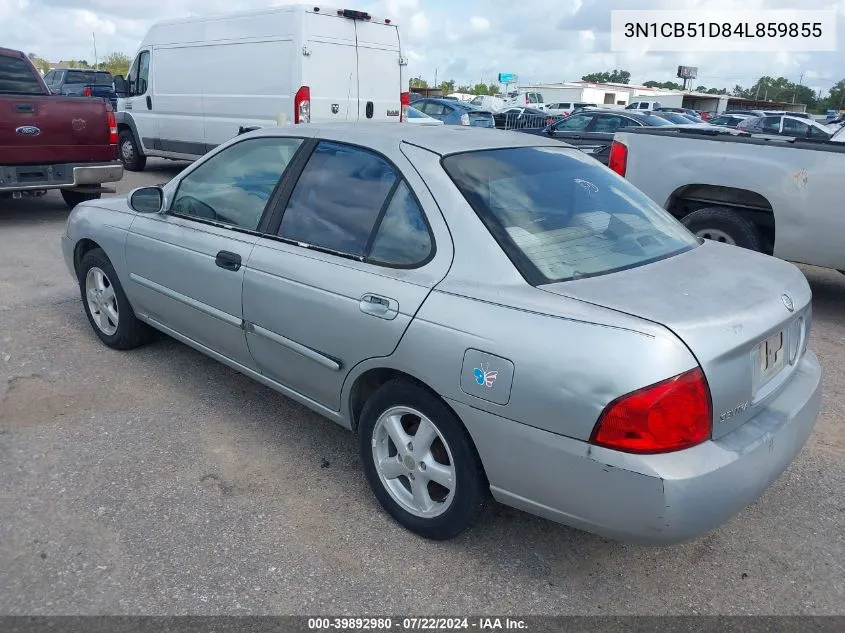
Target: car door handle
pixel 149 103
pixel 577 136
pixel 228 261
pixel 378 306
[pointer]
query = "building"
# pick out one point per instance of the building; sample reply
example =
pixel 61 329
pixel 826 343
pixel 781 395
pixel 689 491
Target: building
pixel 619 95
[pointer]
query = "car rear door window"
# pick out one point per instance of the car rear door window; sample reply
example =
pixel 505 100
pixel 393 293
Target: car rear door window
pixel 17 77
pixel 234 186
pixel 403 237
pixel 338 199
pixel 795 128
pixel 433 109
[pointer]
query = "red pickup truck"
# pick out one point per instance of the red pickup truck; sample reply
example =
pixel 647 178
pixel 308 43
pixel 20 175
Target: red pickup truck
pixel 52 142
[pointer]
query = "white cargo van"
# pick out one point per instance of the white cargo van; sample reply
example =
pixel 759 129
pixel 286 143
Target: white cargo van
pixel 196 82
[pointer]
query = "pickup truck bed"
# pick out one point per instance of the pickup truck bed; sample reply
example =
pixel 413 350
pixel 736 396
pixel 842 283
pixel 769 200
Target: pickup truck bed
pixel 49 141
pixel 781 196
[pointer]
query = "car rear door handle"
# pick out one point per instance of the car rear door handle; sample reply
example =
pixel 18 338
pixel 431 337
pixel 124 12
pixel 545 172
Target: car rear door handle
pixel 378 306
pixel 149 103
pixel 228 261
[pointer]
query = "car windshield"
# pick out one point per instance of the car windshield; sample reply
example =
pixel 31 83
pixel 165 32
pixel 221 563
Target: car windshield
pixel 463 105
pixel 559 215
pixel 653 119
pixel 88 77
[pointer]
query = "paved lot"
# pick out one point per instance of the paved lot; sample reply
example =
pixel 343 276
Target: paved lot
pixel 159 481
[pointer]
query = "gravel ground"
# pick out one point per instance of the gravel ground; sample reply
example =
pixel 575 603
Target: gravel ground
pixel 160 482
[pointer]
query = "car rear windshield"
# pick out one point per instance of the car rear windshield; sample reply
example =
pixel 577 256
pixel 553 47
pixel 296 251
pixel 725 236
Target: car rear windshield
pixel 17 78
pixel 88 77
pixel 560 215
pixel 653 119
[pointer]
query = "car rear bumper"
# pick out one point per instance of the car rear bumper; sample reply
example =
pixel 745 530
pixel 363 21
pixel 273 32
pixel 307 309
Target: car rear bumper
pixel 648 499
pixel 59 176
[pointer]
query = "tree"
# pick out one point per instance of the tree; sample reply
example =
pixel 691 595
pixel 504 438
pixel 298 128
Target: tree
pixel 464 88
pixel 493 89
pixel 667 85
pixel 418 82
pixel 117 63
pixel 39 62
pixel 448 87
pixel 836 97
pixel 613 76
pixel 480 89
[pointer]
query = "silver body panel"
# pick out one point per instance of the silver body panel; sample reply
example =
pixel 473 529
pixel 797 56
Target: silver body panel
pixel 294 319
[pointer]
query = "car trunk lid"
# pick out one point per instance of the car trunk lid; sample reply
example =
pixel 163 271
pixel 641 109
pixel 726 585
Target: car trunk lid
pixel 730 306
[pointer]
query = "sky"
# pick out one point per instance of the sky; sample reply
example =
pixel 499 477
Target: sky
pixel 469 41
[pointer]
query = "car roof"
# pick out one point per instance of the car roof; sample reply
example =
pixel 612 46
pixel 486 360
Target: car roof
pixel 386 136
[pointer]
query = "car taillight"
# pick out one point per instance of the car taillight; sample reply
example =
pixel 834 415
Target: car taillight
pixel 618 160
pixel 112 128
pixel 405 103
pixel 88 92
pixel 302 105
pixel 668 416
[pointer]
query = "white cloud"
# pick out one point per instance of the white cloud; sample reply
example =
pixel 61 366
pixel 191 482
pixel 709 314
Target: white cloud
pixel 418 26
pixel 479 24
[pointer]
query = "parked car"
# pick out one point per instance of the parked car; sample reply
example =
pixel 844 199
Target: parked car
pixel 420 118
pixel 50 141
pixel 730 120
pixel 524 98
pixel 75 82
pixel 486 102
pixel 643 105
pixel 686 111
pixel 680 119
pixel 565 108
pixel 683 390
pixel 196 81
pixel 591 131
pixel 835 123
pixel 455 112
pixel 523 119
pixel 785 126
pixel 774 195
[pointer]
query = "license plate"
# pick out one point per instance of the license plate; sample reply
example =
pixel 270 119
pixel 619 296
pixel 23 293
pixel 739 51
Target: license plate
pixel 772 355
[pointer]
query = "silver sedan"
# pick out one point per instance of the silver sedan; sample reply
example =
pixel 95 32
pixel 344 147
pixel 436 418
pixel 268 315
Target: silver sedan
pixel 492 313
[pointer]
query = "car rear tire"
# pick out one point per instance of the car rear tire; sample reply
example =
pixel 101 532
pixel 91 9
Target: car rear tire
pixel 130 153
pixel 721 224
pixel 420 461
pixel 105 303
pixel 73 198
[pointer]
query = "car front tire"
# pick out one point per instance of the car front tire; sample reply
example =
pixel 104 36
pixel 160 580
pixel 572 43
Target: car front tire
pixel 105 303
pixel 420 461
pixel 130 153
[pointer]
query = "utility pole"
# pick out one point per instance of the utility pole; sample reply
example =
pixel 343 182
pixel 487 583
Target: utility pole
pixel 435 78
pixel 94 37
pixel 800 81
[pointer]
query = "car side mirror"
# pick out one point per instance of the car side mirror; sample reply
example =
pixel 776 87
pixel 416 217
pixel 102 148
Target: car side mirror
pixel 147 200
pixel 120 86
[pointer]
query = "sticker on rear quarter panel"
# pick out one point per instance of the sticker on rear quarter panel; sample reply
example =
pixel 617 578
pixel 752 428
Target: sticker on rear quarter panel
pixel 487 376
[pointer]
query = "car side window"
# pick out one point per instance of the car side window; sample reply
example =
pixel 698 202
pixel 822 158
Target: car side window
pixel 644 105
pixel 338 198
pixel 433 109
pixel 48 78
pixel 817 133
pixel 403 237
pixel 574 123
pixel 770 124
pixel 234 186
pixel 795 128
pixel 606 124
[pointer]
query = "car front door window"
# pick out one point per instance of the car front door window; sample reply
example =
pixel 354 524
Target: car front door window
pixel 606 124
pixel 795 128
pixel 234 186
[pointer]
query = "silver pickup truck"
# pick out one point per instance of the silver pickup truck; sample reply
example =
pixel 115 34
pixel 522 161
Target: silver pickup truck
pixel 781 196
